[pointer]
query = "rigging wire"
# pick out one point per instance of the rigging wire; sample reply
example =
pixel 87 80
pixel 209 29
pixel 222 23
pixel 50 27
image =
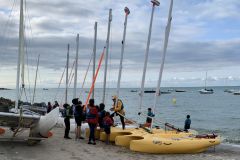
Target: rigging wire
pixel 85 76
pixel 59 84
pixel 7 24
pixel 27 21
pixel 70 79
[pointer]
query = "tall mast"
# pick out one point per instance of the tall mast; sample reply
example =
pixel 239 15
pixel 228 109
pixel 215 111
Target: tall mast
pixel 127 12
pixel 167 31
pixel 35 79
pixel 106 57
pixel 66 92
pixel 76 67
pixel 94 55
pixel 206 81
pixel 20 53
pixel 155 3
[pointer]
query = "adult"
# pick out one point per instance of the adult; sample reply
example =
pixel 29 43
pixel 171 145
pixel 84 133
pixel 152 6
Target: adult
pixel 78 114
pixel 92 119
pixel 49 107
pixel 55 105
pixel 118 109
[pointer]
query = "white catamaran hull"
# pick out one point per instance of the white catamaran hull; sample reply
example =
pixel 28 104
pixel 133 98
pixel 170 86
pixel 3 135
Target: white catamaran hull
pixel 45 124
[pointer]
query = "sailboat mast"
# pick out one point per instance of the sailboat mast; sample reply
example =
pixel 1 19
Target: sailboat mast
pixel 66 91
pixel 94 54
pixel 106 56
pixel 155 3
pixel 206 81
pixel 20 52
pixel 76 67
pixel 127 12
pixel 34 91
pixel 167 31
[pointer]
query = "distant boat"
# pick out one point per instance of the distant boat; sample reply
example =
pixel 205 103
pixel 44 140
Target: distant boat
pixel 45 88
pixel 236 93
pixel 205 90
pixel 179 90
pixel 165 92
pixel 162 92
pixel 134 91
pixel 149 91
pixel 229 90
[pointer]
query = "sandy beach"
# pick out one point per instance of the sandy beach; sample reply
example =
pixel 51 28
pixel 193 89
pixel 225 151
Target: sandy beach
pixel 58 148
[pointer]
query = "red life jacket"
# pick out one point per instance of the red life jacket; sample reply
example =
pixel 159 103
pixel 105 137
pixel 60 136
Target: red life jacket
pixel 107 121
pixel 92 115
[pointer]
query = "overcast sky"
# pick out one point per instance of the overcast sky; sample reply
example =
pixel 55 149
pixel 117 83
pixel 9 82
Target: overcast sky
pixel 204 37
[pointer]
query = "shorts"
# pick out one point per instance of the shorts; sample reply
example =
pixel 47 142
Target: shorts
pixel 78 121
pixel 107 129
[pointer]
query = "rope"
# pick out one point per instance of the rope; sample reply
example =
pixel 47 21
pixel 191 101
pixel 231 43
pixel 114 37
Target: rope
pixel 60 82
pixel 85 76
pixel 19 123
pixel 95 78
pixel 6 28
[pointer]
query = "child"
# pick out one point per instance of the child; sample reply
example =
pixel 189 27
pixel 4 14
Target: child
pixel 150 115
pixel 187 123
pixel 108 122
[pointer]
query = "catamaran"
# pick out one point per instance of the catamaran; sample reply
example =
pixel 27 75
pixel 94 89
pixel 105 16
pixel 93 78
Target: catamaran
pixel 19 118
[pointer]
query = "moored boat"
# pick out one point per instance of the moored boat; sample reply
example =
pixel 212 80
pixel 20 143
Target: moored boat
pixel 236 93
pixel 206 91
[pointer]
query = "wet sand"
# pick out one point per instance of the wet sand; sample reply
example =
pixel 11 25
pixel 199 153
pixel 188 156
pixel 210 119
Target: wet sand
pixel 58 148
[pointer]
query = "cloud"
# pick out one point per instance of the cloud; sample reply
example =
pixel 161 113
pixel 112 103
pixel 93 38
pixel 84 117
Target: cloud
pixel 201 37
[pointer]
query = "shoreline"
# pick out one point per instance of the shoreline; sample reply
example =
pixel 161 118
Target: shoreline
pixel 58 148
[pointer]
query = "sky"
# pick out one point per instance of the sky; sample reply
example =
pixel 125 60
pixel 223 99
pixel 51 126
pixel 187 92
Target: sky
pixel 204 37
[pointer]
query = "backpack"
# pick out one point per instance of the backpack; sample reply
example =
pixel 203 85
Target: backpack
pixel 71 111
pixel 64 113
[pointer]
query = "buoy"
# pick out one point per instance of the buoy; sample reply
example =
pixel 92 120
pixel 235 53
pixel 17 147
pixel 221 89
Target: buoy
pixel 174 100
pixel 2 131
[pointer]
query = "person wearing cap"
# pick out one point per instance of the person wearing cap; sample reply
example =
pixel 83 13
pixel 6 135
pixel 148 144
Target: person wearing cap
pixel 118 109
pixel 78 114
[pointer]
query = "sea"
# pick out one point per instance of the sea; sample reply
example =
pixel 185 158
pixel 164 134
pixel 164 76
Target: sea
pixel 217 113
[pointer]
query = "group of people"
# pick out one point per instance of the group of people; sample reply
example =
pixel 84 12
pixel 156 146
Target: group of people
pixel 94 115
pixel 50 107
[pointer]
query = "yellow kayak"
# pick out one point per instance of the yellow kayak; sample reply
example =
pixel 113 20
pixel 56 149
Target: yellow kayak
pixel 138 134
pixel 159 145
